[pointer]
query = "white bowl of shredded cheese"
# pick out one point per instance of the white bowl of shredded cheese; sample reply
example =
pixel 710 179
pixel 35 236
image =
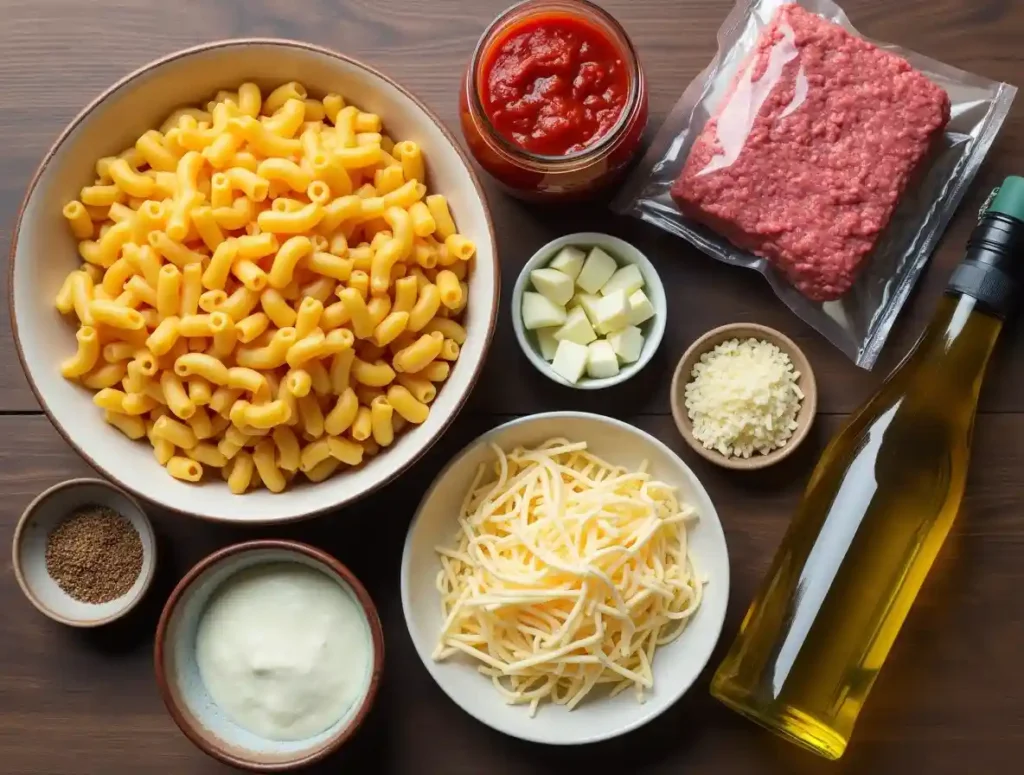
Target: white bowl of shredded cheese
pixel 565 578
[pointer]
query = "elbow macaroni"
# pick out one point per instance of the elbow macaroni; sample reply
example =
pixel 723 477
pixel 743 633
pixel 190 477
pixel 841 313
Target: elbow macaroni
pixel 266 288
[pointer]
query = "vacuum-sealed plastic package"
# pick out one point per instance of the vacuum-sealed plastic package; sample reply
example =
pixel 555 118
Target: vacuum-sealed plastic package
pixel 829 163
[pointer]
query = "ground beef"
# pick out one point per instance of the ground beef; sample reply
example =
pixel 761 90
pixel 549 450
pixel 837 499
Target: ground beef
pixel 811 150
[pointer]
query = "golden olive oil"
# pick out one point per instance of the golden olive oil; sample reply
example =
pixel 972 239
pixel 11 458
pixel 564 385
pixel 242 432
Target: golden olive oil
pixel 876 510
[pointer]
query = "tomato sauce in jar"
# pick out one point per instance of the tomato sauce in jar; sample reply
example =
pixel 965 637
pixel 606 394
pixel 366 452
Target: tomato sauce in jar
pixel 554 85
pixel 553 103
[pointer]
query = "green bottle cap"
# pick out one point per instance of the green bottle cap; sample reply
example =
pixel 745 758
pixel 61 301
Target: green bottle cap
pixel 992 272
pixel 1010 198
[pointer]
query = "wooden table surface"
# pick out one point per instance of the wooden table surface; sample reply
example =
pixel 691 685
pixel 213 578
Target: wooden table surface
pixel 950 701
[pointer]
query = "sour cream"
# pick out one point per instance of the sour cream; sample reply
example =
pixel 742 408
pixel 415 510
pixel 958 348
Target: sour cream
pixel 283 650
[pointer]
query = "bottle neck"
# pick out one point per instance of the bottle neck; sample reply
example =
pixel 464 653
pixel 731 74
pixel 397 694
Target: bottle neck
pixel 980 294
pixel 958 342
pixel 991 267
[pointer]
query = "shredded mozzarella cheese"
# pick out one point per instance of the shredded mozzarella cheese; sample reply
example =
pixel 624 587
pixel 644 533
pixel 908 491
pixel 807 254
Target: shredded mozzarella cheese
pixel 743 398
pixel 567 574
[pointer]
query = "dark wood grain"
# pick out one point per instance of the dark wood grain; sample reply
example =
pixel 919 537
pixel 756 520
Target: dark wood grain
pixel 951 700
pixel 53 62
pixel 86 702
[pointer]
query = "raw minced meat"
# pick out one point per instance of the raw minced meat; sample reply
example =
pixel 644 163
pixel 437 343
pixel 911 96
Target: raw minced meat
pixel 811 149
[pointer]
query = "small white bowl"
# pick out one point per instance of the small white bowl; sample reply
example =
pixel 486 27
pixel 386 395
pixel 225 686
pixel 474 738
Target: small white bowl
pixel 182 688
pixel 44 253
pixel 624 254
pixel 42 516
pixel 676 665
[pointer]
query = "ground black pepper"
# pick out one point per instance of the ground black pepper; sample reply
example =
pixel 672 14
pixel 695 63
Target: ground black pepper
pixel 95 555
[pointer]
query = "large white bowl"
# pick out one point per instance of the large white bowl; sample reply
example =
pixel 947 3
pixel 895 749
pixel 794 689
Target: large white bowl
pixel 44 252
pixel 676 666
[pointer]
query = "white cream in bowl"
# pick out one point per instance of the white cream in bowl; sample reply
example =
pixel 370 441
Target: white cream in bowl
pixel 241 646
pixel 282 650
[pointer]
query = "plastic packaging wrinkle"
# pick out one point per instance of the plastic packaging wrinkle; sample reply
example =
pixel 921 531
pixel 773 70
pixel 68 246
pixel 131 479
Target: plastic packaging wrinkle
pixel 879 244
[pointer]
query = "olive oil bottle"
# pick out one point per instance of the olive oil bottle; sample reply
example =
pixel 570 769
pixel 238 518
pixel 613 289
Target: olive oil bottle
pixel 877 508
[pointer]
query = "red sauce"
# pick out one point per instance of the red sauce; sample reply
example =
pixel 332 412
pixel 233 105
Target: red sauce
pixel 554 85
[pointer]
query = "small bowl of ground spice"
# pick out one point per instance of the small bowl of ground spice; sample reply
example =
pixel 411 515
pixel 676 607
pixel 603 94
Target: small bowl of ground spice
pixel 84 552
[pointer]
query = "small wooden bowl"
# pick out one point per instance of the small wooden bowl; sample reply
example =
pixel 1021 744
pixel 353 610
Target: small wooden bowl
pixel 710 341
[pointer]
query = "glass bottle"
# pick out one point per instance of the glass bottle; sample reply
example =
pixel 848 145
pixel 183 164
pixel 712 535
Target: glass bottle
pixel 876 510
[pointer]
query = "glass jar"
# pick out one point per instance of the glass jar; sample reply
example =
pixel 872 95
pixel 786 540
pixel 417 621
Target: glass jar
pixel 574 175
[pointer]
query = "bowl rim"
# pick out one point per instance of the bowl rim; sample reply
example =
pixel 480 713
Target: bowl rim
pixel 808 406
pixel 716 626
pixel 660 304
pixel 212 560
pixel 228 43
pixel 19 533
